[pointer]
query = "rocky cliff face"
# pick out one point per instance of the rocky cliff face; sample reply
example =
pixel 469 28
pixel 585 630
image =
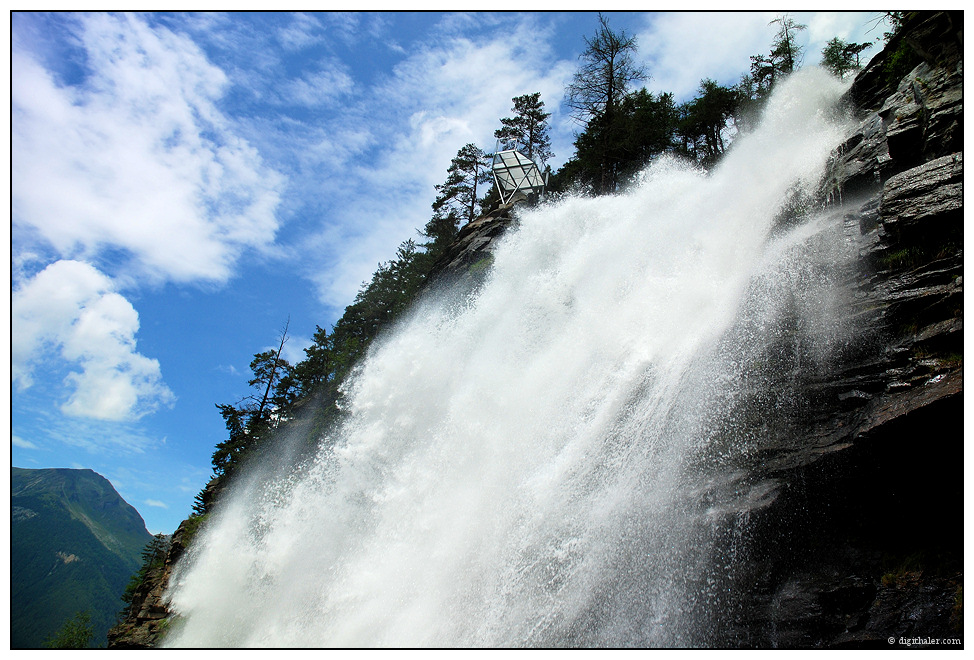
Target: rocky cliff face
pixel 851 527
pixel 148 616
pixel 858 538
pixel 470 256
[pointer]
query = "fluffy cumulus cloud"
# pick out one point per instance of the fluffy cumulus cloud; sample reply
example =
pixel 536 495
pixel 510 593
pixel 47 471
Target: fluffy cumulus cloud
pixel 73 310
pixel 135 157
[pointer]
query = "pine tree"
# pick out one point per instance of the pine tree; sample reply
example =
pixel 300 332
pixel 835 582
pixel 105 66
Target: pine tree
pixel 277 387
pixel 228 453
pixel 441 230
pixel 763 73
pixel 270 369
pixel 749 98
pixel 785 51
pixel 527 129
pixel 597 90
pixel 855 50
pixel 153 555
pixel 841 58
pixel 317 367
pixel 834 57
pixel 709 113
pixel 459 192
pixel 199 504
pixel 648 129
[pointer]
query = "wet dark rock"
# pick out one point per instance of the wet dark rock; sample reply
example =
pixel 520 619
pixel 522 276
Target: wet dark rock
pixel 863 540
pixel 936 38
pixel 811 606
pixel 148 616
pixel 469 257
pixel 925 195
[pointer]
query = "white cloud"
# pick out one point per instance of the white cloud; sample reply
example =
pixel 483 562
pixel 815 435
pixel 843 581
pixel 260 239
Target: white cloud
pixel 294 347
pixel 228 369
pixel 848 26
pixel 157 504
pixel 681 48
pixel 303 31
pixel 137 159
pixel 347 25
pixel 73 308
pixel 430 106
pixel 319 88
pixel 852 27
pixel 23 444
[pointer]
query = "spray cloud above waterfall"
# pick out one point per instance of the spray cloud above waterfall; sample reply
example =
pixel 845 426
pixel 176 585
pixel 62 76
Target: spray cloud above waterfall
pixel 521 467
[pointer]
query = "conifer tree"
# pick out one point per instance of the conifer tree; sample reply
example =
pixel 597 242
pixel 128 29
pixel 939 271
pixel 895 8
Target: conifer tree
pixel 785 51
pixel 441 229
pixel 749 97
pixel 153 555
pixel 269 370
pixel 763 73
pixel 706 117
pixel 459 192
pixel 646 127
pixel 841 58
pixel 527 128
pixel 317 367
pixel 277 386
pixel 766 70
pixel 597 90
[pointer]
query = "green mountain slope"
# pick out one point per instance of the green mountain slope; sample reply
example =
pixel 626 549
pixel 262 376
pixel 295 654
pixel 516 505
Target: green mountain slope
pixel 74 543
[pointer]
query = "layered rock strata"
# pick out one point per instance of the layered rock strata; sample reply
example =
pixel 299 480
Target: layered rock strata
pixel 858 537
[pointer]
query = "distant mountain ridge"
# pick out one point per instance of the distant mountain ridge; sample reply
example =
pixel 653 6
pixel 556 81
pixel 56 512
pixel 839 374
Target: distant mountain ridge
pixel 74 545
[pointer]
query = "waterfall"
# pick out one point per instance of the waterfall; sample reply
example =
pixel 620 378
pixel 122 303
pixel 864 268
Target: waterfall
pixel 559 458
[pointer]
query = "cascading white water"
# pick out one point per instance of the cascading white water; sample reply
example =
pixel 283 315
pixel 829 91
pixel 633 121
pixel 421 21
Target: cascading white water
pixel 541 464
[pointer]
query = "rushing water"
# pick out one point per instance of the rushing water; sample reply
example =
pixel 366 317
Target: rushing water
pixel 546 462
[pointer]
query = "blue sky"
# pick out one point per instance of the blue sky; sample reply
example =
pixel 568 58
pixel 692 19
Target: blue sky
pixel 182 184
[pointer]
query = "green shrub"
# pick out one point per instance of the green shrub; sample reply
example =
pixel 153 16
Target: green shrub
pixel 76 633
pixel 192 525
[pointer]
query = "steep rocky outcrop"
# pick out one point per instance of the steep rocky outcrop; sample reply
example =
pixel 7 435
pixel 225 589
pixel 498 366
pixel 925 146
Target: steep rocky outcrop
pixel 858 538
pixel 469 256
pixel 148 615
